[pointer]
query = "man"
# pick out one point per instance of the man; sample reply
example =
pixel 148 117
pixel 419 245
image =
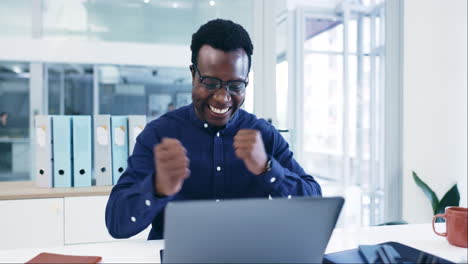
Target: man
pixel 3 119
pixel 210 149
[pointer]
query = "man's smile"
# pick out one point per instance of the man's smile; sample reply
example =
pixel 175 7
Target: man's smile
pixel 219 111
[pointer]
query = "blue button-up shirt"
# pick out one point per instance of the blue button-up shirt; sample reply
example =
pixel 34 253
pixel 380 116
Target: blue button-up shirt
pixel 216 172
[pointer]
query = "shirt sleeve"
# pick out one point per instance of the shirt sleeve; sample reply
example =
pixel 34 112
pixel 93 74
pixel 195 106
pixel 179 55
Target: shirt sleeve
pixel 286 177
pixel 133 204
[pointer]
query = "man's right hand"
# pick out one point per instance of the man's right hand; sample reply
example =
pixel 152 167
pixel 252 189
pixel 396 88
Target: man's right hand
pixel 172 166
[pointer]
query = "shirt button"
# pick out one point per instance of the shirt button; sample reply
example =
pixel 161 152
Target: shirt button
pixel 133 219
pixel 147 202
pixel 273 179
pixel 289 196
pixel 217 134
pixel 205 125
pixel 218 168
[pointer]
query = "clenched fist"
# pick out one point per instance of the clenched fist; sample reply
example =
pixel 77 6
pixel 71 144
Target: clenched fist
pixel 248 144
pixel 172 166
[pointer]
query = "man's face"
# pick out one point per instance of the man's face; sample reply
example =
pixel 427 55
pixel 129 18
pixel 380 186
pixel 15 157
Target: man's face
pixel 218 106
pixel 3 119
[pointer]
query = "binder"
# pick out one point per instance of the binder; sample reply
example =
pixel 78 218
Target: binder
pixel 62 151
pixel 102 150
pixel 136 123
pixel 82 151
pixel 43 150
pixel 119 134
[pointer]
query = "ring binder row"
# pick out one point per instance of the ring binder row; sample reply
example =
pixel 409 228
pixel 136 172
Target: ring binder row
pixel 71 151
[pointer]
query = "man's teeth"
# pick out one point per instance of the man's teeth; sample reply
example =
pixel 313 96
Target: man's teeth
pixel 219 111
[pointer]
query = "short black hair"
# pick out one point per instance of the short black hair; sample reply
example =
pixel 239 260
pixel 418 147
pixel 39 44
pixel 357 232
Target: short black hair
pixel 224 35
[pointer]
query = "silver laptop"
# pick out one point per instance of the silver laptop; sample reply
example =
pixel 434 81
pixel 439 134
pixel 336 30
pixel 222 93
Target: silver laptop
pixel 250 230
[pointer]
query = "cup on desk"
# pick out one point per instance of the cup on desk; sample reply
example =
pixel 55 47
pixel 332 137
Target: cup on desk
pixel 456 220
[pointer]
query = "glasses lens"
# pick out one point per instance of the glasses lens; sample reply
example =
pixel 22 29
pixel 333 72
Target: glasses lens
pixel 211 83
pixel 236 87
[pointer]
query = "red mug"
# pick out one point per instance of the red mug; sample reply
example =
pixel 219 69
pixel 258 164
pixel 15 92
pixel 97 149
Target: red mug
pixel 456 220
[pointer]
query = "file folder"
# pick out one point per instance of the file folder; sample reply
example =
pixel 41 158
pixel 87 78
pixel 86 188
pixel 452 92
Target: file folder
pixel 136 123
pixel 102 150
pixel 119 134
pixel 62 151
pixel 43 150
pixel 82 151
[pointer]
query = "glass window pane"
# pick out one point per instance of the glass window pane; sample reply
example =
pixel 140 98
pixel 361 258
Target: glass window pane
pixel 323 34
pixel 366 36
pixel 150 91
pixel 15 18
pixel 70 89
pixel 282 94
pixel 282 75
pixel 150 21
pixel 322 122
pixel 14 121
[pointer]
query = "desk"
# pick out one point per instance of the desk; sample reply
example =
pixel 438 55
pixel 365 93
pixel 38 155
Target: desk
pixel 125 251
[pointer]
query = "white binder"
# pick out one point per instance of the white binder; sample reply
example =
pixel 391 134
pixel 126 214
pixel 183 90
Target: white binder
pixel 119 135
pixel 44 158
pixel 62 150
pixel 102 150
pixel 136 124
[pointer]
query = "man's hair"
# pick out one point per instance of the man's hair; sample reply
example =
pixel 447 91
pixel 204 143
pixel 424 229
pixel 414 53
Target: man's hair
pixel 221 34
pixel 3 113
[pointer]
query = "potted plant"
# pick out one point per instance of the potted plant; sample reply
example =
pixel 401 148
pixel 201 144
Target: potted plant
pixel 451 198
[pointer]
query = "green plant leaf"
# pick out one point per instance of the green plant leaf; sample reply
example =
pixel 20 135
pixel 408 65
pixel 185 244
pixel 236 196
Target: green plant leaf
pixel 428 192
pixel 451 198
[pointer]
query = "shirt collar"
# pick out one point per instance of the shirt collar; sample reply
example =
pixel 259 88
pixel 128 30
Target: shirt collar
pixel 203 124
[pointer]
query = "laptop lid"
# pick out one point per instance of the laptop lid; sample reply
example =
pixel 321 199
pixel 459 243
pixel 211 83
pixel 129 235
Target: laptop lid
pixel 250 230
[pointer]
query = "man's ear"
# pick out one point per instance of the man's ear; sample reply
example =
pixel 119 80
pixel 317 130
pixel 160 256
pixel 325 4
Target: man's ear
pixel 192 70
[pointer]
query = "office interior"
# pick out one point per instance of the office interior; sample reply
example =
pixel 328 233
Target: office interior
pixel 364 91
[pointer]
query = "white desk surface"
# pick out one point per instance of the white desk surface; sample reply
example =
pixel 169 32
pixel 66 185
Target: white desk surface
pixel 418 236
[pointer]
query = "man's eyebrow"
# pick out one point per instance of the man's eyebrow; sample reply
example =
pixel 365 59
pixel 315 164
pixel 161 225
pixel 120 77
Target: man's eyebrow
pixel 231 80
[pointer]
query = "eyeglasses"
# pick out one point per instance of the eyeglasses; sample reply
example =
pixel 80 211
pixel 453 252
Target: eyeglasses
pixel 212 83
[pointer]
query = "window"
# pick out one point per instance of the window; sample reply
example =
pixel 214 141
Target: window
pixel 14 121
pixel 70 89
pixel 338 132
pixel 150 91
pixel 15 18
pixel 151 21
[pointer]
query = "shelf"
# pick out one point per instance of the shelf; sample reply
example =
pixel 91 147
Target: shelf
pixel 29 190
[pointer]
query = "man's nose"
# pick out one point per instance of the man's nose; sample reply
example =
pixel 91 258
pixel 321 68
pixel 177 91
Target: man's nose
pixel 222 95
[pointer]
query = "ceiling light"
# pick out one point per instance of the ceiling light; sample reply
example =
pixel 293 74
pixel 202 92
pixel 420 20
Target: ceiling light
pixel 212 3
pixel 146 1
pixel 175 5
pixel 17 69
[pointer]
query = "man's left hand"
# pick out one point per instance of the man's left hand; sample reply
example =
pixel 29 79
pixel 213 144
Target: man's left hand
pixel 248 144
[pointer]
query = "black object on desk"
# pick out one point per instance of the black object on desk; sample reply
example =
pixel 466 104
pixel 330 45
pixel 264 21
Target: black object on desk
pixel 388 252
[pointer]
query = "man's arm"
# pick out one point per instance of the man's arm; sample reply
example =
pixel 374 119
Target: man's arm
pixel 266 150
pixel 133 204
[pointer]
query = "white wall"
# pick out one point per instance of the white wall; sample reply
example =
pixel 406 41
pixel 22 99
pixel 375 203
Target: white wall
pixel 435 101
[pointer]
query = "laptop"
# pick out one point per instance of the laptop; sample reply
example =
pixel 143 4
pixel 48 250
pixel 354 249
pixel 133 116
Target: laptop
pixel 250 230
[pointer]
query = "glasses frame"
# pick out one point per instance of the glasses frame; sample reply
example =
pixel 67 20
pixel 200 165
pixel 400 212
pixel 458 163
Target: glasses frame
pixel 223 83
